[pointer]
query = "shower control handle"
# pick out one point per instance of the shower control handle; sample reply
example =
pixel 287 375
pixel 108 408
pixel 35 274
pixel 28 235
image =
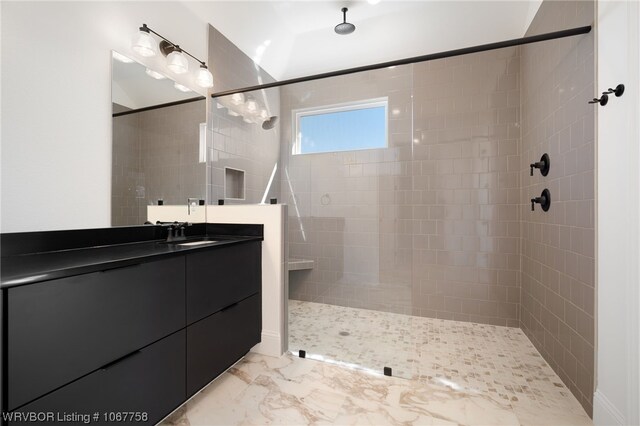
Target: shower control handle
pixel 544 200
pixel 537 165
pixel 538 200
pixel 544 164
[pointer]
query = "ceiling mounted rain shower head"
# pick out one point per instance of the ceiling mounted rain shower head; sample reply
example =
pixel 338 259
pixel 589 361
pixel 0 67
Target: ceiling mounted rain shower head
pixel 270 123
pixel 344 27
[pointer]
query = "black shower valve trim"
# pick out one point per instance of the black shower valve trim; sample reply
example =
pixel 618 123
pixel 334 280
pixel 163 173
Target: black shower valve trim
pixel 603 100
pixel 618 91
pixel 544 164
pixel 544 200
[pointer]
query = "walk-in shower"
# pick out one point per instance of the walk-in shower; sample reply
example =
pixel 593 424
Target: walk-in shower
pixel 410 190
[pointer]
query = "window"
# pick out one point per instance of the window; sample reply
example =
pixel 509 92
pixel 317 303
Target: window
pixel 344 127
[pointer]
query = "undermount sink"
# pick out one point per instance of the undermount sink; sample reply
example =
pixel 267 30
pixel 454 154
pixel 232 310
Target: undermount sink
pixel 196 243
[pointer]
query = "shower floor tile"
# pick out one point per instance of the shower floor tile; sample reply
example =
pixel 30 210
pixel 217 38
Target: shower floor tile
pixel 465 374
pixel 477 359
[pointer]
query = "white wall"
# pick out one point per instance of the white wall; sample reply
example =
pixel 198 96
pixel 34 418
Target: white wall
pixel 56 104
pixel 275 277
pixel 617 396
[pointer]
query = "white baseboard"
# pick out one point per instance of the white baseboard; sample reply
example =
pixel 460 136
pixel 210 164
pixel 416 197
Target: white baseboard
pixel 271 344
pixel 605 413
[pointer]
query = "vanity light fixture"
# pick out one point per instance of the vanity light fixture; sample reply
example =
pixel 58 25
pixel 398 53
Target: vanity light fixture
pixel 249 109
pixel 204 77
pixel 146 46
pixel 237 98
pixel 143 44
pixel 177 62
pixel 251 105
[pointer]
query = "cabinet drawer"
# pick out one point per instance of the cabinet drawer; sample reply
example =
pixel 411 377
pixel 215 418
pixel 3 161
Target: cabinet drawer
pixel 218 278
pixel 150 381
pixel 218 341
pixel 63 329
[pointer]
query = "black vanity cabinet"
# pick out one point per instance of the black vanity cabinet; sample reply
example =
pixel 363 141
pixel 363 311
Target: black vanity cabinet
pixel 60 330
pixel 141 388
pixel 223 300
pixel 222 277
pixel 141 338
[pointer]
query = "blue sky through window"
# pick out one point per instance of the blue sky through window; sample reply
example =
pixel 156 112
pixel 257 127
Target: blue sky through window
pixel 363 128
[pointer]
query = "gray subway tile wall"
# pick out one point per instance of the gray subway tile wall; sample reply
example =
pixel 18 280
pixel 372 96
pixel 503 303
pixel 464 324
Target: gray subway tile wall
pixel 466 133
pixel 558 248
pixel 429 225
pixel 126 174
pixel 169 149
pixel 156 156
pixel 233 143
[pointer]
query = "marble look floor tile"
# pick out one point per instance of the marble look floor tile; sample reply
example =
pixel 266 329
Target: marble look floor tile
pixel 460 373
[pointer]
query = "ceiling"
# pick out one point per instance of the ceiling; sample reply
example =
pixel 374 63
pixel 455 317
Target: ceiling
pixel 296 38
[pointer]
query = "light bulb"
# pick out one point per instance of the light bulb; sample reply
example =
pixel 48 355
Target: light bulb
pixel 237 98
pixel 177 62
pixel 143 43
pixel 264 114
pixel 251 105
pixel 181 88
pixel 154 74
pixel 204 78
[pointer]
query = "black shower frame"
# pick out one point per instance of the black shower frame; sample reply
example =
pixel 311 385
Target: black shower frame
pixel 440 55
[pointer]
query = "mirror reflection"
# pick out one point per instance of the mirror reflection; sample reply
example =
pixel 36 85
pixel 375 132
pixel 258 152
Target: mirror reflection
pixel 158 142
pixel 244 155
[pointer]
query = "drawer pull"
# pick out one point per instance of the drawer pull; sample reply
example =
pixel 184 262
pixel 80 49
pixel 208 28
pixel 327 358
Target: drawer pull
pixel 119 360
pixel 229 307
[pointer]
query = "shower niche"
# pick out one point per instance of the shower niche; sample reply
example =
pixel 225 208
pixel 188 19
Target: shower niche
pixel 233 184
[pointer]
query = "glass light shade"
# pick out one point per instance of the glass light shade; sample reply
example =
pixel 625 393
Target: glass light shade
pixel 181 88
pixel 144 44
pixel 204 78
pixel 237 98
pixel 177 62
pixel 154 74
pixel 251 105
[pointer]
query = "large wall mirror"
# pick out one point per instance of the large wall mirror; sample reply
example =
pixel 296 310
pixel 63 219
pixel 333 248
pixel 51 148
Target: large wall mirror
pixel 158 139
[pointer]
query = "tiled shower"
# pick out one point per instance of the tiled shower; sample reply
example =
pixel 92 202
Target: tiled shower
pixel 439 223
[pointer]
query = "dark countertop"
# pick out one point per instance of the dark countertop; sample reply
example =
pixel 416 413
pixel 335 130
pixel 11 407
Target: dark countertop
pixel 28 268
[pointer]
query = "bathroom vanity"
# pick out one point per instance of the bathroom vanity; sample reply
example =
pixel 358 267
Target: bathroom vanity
pixel 120 325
